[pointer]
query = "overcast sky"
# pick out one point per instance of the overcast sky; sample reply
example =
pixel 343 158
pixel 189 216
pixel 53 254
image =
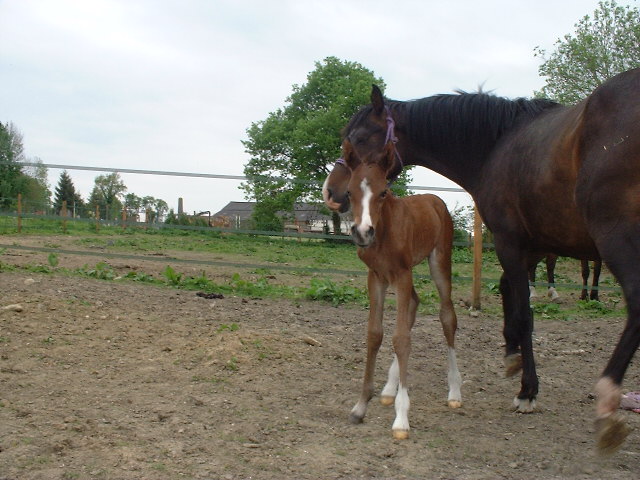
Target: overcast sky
pixel 174 84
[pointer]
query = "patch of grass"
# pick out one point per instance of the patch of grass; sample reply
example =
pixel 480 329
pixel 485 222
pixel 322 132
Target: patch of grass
pixel 101 271
pixel 231 328
pixel 53 259
pixel 547 310
pixel 232 364
pixel 173 278
pixel 335 293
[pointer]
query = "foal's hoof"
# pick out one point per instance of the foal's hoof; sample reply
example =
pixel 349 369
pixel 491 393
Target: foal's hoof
pixel 355 419
pixel 513 364
pixel 401 434
pixel 454 403
pixel 611 432
pixel 387 401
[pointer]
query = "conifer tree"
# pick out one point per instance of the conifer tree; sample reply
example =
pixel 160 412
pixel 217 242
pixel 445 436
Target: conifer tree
pixel 66 191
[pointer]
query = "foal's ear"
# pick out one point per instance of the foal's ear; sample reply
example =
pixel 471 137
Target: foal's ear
pixel 388 160
pixel 350 158
pixel 377 99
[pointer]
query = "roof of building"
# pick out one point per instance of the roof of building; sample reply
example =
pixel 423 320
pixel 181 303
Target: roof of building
pixel 304 212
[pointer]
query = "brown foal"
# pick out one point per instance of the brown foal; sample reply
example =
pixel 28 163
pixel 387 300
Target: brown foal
pixel 394 235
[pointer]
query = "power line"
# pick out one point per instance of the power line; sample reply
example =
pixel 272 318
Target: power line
pixel 136 171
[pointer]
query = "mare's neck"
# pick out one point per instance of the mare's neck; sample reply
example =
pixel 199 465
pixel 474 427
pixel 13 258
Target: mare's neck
pixel 455 135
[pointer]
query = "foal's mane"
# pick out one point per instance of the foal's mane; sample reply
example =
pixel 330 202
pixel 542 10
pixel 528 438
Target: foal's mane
pixel 453 123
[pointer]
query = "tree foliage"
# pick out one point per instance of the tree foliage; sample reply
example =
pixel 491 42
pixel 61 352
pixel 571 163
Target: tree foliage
pixel 66 192
pixel 16 178
pixel 602 46
pixel 106 195
pixel 10 168
pixel 153 208
pixel 294 148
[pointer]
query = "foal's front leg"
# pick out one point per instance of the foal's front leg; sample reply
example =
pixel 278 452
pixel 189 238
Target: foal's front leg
pixel 407 306
pixel 377 287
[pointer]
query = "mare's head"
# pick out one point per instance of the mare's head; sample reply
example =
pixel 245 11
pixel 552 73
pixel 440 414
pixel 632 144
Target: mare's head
pixel 369 136
pixel 367 190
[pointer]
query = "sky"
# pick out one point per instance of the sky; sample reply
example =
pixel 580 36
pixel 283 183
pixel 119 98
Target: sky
pixel 173 85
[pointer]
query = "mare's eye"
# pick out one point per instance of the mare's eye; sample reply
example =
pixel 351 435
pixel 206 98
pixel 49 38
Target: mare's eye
pixel 348 194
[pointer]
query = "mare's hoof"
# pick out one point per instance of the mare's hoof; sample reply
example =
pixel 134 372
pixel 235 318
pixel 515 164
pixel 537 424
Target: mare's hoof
pixel 355 419
pixel 512 364
pixel 612 432
pixel 387 401
pixel 524 405
pixel 401 434
pixel 454 403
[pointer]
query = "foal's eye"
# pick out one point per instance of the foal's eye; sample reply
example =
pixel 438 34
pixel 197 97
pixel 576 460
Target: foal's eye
pixel 348 194
pixel 384 194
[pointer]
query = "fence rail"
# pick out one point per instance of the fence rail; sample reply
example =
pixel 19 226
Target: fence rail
pixel 23 218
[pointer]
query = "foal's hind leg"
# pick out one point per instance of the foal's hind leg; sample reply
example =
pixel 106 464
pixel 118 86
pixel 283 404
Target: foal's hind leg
pixel 377 287
pixel 440 269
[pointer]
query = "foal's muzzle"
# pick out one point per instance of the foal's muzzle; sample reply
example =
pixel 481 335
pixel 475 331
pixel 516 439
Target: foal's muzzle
pixel 362 239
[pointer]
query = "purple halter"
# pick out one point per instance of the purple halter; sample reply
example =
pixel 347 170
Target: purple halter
pixel 391 137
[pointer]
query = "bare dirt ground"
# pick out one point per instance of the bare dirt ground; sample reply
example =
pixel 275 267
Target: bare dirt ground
pixel 112 380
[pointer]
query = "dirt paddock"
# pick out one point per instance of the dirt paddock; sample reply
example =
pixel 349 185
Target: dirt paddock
pixel 109 380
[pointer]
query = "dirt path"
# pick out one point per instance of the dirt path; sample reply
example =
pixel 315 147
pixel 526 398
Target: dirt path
pixel 129 381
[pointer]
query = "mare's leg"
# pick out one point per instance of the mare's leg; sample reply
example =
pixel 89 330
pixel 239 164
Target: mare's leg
pixel 377 287
pixel 407 306
pixel 597 268
pixel 440 269
pixel 552 293
pixel 620 249
pixel 532 281
pixel 518 320
pixel 584 266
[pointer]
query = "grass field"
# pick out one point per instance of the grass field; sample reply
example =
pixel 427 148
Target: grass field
pixel 271 266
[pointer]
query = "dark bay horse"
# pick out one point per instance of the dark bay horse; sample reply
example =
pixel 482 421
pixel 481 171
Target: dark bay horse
pixel 394 235
pixel 550 263
pixel 521 159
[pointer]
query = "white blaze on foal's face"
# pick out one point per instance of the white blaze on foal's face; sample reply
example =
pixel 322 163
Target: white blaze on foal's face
pixel 365 217
pixel 367 191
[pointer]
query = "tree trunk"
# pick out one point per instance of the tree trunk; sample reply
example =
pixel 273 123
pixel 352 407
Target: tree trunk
pixel 337 222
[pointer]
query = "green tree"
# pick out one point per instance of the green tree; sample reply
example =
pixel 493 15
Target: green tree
pixel 34 186
pixel 106 195
pixel 66 191
pixel 602 46
pixel 156 208
pixel 133 205
pixel 294 148
pixel 11 153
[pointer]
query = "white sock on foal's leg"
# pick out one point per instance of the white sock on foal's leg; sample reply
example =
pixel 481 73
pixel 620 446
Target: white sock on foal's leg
pixel 455 381
pixel 401 423
pixel 388 395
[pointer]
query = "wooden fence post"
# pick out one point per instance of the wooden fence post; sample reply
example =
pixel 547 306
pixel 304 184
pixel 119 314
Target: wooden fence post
pixel 97 218
pixel 124 218
pixel 19 213
pixel 477 259
pixel 63 213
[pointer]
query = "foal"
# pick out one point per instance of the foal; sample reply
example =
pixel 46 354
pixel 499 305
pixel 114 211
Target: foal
pixel 393 235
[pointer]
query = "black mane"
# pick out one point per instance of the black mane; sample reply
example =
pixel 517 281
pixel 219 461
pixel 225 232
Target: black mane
pixel 466 124
pixel 467 119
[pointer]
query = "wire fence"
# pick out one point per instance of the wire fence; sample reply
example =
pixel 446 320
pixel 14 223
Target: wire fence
pixel 37 217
